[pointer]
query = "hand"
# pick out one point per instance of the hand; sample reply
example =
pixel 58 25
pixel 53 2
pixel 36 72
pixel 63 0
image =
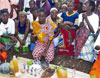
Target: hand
pixel 69 23
pixel 44 53
pixel 22 42
pixel 13 39
pixel 81 24
pixel 84 15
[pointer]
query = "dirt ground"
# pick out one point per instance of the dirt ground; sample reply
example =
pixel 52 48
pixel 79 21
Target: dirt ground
pixel 63 60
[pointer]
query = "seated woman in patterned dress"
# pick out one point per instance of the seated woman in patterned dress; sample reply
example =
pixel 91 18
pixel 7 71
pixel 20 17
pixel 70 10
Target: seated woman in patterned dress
pixel 44 31
pixel 55 21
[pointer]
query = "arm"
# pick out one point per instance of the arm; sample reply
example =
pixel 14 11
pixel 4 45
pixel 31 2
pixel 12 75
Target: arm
pixel 21 5
pixel 88 23
pixel 16 32
pixel 47 47
pixel 27 30
pixel 6 36
pixel 65 25
pixel 11 13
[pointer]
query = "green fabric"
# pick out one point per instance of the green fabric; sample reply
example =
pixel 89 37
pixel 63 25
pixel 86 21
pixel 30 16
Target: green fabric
pixel 6 41
pixel 25 48
pixel 93 76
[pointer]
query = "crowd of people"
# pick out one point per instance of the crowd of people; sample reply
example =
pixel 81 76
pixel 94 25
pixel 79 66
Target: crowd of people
pixel 43 27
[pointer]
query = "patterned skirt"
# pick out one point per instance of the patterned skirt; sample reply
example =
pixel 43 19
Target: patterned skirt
pixel 87 52
pixel 65 45
pixel 39 49
pixel 7 42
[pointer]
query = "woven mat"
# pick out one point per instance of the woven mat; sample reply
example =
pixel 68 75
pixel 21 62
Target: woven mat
pixel 71 73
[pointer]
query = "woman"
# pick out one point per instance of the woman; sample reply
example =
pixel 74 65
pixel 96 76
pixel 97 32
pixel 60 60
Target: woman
pixel 33 16
pixel 32 5
pixel 7 29
pixel 44 4
pixel 55 21
pixel 68 27
pixel 63 9
pixel 44 31
pixel 90 22
pixel 22 33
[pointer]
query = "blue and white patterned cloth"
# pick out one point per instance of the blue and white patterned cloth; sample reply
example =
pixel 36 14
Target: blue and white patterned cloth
pixel 88 53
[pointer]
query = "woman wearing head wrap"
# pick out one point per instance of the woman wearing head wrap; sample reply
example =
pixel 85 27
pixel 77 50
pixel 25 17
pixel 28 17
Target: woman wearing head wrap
pixel 55 21
pixel 22 33
pixel 63 9
pixel 7 29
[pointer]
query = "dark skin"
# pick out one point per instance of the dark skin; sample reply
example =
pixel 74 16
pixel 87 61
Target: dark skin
pixel 88 13
pixel 32 4
pixel 22 20
pixel 35 14
pixel 21 4
pixel 63 9
pixel 5 17
pixel 54 19
pixel 42 17
pixel 66 24
pixel 43 0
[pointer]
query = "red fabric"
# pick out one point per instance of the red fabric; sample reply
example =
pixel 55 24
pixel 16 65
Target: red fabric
pixel 76 2
pixel 68 48
pixel 39 49
pixel 3 55
pixel 82 35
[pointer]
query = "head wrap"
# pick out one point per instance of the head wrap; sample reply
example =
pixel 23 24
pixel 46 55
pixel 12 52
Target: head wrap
pixel 4 11
pixel 64 5
pixel 52 9
pixel 23 13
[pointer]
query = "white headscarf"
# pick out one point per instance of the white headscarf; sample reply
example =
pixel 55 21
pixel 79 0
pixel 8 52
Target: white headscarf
pixel 64 5
pixel 52 9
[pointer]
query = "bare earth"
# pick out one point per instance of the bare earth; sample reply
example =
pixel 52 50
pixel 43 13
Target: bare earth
pixel 63 60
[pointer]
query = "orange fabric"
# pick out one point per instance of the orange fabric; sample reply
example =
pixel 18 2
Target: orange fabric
pixel 3 55
pixel 96 68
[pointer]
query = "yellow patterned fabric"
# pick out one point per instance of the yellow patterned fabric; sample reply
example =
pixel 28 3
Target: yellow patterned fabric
pixel 43 31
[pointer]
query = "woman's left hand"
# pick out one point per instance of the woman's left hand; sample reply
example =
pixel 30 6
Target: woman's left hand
pixel 23 42
pixel 13 39
pixel 84 16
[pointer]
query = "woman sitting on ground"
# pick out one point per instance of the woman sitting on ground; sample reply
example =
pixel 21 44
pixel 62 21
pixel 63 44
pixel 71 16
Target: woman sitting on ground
pixel 7 29
pixel 44 32
pixel 22 33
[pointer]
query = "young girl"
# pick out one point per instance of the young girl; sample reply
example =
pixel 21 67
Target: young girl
pixel 68 27
pixel 22 33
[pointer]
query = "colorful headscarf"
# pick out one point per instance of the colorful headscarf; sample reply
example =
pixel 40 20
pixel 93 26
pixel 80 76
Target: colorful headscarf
pixel 23 13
